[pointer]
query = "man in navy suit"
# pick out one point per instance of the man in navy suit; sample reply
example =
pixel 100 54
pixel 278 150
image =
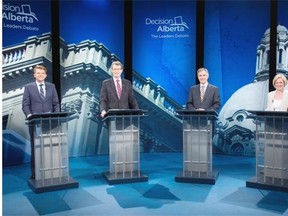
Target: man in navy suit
pixel 39 97
pixel 209 99
pixel 116 93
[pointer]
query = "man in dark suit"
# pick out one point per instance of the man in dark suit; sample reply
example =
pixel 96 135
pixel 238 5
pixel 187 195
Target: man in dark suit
pixel 203 96
pixel 39 97
pixel 116 93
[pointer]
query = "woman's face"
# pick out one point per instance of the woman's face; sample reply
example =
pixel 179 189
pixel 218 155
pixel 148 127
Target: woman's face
pixel 279 84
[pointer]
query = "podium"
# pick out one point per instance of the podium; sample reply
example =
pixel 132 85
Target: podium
pixel 271 151
pixel 51 152
pixel 124 146
pixel 198 131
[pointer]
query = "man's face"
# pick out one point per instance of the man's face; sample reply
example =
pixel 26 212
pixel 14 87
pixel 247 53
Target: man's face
pixel 40 75
pixel 203 76
pixel 116 71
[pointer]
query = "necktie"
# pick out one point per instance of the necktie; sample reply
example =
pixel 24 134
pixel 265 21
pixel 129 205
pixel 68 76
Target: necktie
pixel 119 90
pixel 41 92
pixel 202 93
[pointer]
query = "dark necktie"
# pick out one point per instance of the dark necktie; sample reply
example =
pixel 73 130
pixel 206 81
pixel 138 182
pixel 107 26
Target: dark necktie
pixel 41 92
pixel 119 90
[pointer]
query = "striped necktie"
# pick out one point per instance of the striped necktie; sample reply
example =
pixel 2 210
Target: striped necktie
pixel 119 89
pixel 202 93
pixel 42 92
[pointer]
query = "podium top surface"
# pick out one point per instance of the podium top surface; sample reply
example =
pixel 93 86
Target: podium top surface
pixel 185 112
pixel 111 112
pixel 269 113
pixel 120 113
pixel 49 115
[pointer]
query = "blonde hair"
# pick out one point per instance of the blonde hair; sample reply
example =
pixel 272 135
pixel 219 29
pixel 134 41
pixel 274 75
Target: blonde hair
pixel 280 76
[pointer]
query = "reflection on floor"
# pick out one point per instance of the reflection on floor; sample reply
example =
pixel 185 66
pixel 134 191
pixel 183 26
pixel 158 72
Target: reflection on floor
pixel 161 195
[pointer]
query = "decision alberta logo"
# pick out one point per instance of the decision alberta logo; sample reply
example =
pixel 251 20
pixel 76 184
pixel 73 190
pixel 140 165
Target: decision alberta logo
pixel 18 17
pixel 21 13
pixel 168 25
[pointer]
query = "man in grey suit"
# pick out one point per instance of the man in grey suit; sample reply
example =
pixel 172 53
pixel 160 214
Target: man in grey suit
pixel 203 96
pixel 116 93
pixel 39 97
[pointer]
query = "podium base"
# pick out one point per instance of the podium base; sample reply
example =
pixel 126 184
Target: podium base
pixel 127 177
pixel 39 186
pixel 268 185
pixel 194 177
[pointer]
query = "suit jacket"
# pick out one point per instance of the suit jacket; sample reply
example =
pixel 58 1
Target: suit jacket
pixel 211 99
pixel 284 102
pixel 32 102
pixel 109 97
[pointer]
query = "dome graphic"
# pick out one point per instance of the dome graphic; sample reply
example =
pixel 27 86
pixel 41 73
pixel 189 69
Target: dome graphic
pixel 235 130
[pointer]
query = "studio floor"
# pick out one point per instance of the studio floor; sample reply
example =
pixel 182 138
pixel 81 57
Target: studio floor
pixel 160 195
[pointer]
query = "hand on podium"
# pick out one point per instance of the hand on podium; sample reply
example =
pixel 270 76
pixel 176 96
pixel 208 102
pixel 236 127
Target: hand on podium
pixel 103 113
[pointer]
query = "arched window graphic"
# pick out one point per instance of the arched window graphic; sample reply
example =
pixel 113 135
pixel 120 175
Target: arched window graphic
pixel 258 61
pixel 237 149
pixel 280 56
pixel 267 57
pixel 286 56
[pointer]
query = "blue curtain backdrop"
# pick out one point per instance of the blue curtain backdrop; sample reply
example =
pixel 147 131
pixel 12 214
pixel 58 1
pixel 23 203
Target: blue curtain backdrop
pixel 164 44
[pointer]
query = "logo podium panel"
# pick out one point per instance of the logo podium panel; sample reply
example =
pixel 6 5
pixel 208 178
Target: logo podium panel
pixel 198 131
pixel 124 146
pixel 51 152
pixel 271 150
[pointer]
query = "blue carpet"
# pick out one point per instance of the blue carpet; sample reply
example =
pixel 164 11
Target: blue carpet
pixel 161 195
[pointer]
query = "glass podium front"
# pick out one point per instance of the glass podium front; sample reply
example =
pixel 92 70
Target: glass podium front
pixel 198 131
pixel 271 150
pixel 51 152
pixel 124 146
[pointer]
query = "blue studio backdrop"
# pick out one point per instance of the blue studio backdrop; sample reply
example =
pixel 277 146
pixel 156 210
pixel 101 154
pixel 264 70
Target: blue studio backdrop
pixel 164 54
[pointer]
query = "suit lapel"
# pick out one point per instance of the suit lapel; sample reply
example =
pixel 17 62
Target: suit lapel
pixel 36 90
pixel 199 92
pixel 112 84
pixel 47 88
